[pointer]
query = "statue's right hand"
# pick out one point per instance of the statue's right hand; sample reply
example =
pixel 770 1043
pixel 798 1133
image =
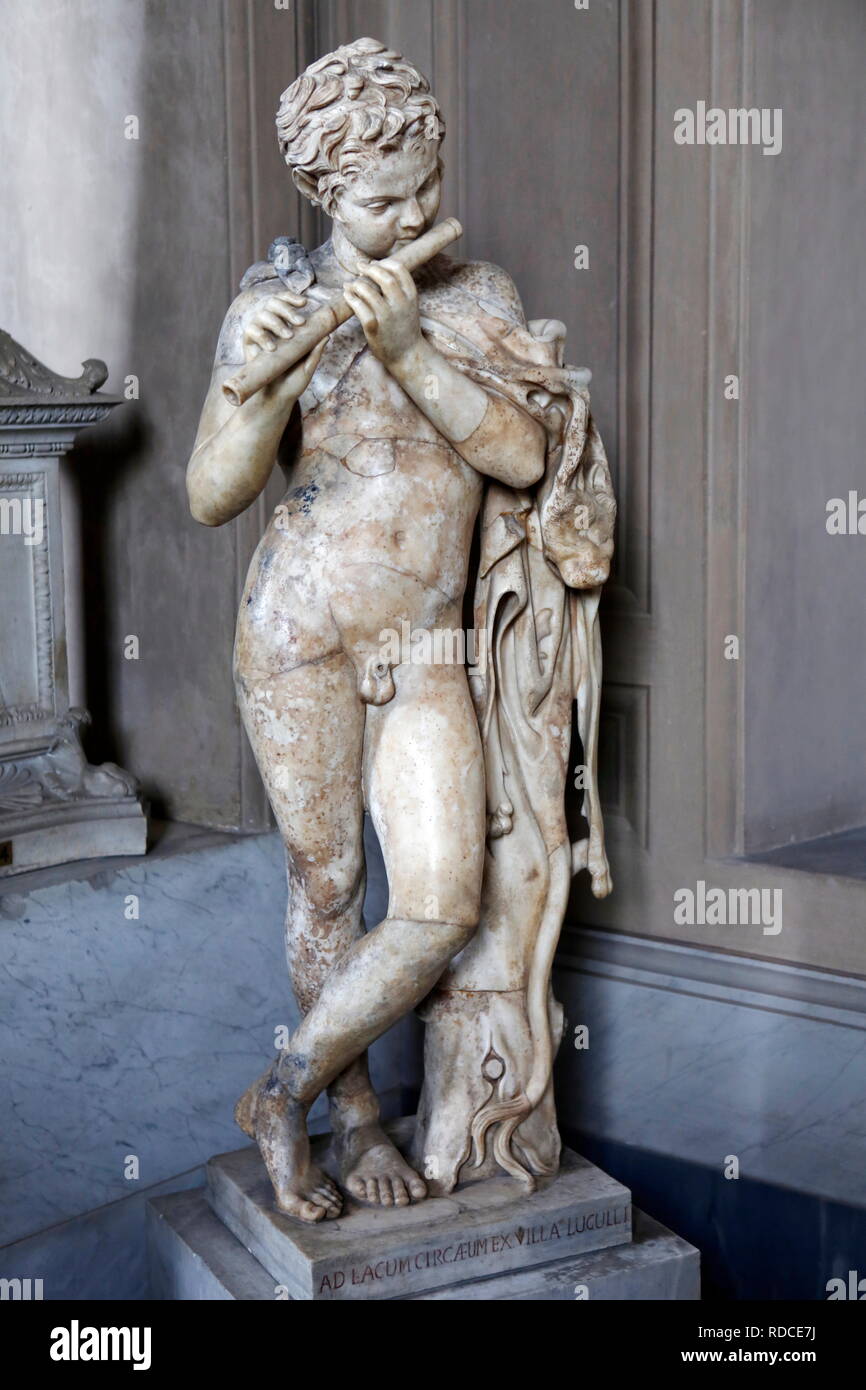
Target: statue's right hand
pixel 273 322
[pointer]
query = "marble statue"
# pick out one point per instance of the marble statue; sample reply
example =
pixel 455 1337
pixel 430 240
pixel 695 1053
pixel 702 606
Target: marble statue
pixel 415 413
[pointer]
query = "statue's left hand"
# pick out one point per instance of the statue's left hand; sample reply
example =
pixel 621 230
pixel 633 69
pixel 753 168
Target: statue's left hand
pixel 386 303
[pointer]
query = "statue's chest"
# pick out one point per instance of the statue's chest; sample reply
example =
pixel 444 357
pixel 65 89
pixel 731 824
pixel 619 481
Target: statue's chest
pixel 353 393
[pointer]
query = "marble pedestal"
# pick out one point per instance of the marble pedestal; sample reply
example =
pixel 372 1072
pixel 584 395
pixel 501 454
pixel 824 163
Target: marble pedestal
pixel 571 1239
pixel 54 805
pixel 193 1257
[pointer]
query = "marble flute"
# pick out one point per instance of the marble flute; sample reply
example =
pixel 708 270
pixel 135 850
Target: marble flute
pixel 268 367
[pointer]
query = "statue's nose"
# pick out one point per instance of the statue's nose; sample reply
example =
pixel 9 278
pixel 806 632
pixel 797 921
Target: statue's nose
pixel 413 217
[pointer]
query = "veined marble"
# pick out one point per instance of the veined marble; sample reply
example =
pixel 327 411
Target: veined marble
pixel 126 1036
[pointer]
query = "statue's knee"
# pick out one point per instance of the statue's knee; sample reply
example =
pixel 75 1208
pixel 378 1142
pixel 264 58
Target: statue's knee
pixel 328 896
pixel 453 917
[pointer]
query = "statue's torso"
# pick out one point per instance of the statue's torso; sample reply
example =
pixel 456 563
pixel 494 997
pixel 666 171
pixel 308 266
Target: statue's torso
pixel 375 527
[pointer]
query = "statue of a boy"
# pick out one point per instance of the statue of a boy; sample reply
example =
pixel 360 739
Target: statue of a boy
pixel 433 399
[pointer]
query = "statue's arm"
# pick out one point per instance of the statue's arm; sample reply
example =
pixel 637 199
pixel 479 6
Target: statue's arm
pixel 489 432
pixel 236 447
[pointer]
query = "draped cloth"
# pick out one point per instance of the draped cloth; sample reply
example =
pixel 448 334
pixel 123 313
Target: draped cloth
pixel 492 1023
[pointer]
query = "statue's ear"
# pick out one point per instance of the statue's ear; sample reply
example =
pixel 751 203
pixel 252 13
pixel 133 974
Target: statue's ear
pixel 307 185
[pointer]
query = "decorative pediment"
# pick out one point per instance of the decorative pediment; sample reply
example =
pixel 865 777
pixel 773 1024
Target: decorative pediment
pixel 23 376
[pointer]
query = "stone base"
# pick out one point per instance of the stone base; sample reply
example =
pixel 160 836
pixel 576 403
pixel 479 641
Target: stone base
pixel 80 829
pixel 194 1258
pixel 481 1229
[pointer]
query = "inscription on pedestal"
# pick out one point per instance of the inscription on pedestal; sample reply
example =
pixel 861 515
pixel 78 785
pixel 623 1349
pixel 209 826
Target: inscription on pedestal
pixel 193 1257
pixel 459 1258
pixel 480 1230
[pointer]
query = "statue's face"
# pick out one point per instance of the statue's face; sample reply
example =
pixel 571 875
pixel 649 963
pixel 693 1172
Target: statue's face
pixel 391 201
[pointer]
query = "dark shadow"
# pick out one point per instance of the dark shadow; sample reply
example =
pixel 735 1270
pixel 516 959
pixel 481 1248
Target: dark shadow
pixel 102 459
pixel 757 1241
pixel 842 854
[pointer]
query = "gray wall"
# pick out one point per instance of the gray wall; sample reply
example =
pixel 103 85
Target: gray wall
pixel 120 249
pixel 541 136
pixel 142 245
pixel 560 132
pixel 805 650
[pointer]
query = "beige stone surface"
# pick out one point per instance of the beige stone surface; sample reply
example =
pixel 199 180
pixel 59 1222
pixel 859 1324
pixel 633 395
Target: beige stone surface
pixel 483 1230
pixel 432 414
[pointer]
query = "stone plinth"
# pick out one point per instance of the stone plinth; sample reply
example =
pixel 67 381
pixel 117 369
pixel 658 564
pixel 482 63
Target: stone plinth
pixel 193 1257
pixel 483 1229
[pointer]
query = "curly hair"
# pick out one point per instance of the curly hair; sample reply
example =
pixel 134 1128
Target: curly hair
pixel 360 98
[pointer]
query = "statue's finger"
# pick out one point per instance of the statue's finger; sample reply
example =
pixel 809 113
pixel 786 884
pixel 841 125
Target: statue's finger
pixel 359 307
pixel 275 324
pixel 261 338
pixel 402 276
pixel 312 361
pixel 285 311
pixel 370 295
pixel 369 292
pixel 380 273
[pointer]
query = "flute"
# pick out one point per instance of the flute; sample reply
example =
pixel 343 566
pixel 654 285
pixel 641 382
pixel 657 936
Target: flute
pixel 269 366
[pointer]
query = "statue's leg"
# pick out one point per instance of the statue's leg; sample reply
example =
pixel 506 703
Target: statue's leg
pixel 425 776
pixel 306 728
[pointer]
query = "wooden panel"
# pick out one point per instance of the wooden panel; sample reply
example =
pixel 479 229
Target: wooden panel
pixel 623 754
pixel 727 353
pixel 560 133
pixel 541 138
pixel 630 587
pixel 262 58
pixel 805 658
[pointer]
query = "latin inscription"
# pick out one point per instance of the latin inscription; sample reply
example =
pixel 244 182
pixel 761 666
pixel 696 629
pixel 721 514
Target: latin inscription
pixel 394 1267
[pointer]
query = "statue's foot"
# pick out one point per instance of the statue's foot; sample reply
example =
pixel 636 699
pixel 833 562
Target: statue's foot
pixel 278 1124
pixel 373 1171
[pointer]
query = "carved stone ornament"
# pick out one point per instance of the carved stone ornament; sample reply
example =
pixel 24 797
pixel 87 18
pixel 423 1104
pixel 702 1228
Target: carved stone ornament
pixel 21 374
pixel 54 805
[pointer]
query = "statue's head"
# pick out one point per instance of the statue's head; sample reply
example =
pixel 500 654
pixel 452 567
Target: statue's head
pixel 361 134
